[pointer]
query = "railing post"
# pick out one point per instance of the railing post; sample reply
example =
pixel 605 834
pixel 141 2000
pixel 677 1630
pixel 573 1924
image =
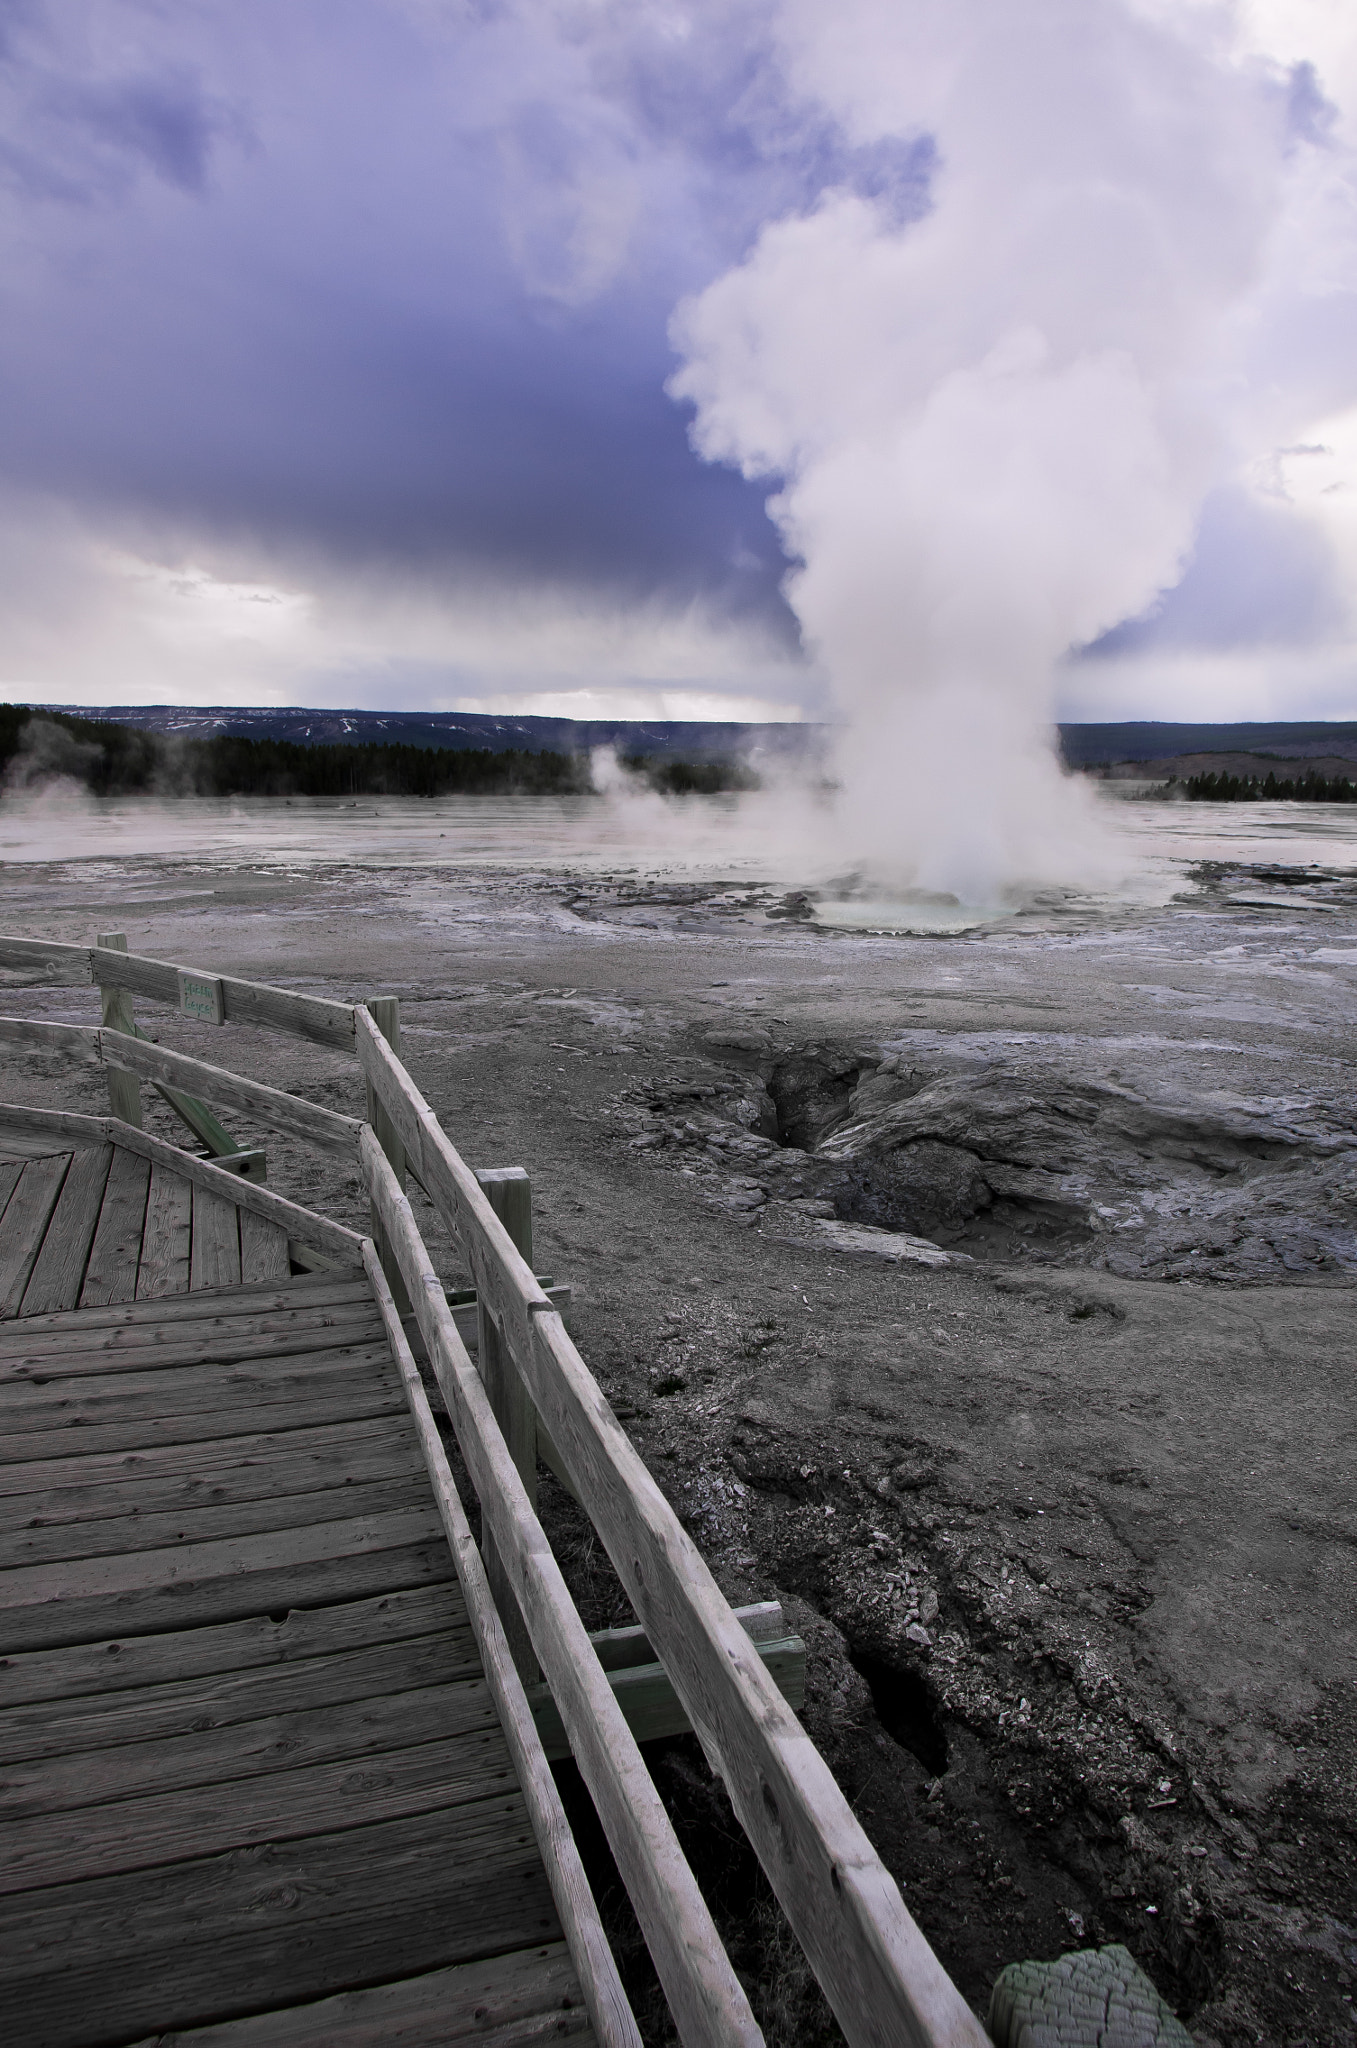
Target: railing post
pixel 385 1012
pixel 509 1193
pixel 124 1090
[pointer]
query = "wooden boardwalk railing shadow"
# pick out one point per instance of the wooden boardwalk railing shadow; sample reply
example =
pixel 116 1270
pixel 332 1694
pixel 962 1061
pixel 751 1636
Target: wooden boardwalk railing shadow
pixel 272 1725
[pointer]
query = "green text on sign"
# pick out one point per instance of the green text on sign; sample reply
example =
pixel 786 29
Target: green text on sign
pixel 200 997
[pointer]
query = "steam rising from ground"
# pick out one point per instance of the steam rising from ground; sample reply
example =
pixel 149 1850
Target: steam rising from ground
pixel 993 426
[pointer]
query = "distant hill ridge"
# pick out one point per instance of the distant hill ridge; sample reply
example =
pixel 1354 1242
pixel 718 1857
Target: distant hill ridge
pixel 667 739
pixel 1083 745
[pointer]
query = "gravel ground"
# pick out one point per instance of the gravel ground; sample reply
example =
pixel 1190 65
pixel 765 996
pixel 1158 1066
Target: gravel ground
pixel 987 1300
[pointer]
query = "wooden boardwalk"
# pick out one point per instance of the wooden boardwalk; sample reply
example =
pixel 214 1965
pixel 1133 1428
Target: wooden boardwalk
pixel 252 1780
pixel 274 1726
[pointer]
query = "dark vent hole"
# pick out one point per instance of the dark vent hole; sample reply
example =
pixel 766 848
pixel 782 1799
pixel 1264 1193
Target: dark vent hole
pixel 905 1711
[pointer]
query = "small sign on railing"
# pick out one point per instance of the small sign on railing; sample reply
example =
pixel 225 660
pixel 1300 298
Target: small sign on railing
pixel 200 996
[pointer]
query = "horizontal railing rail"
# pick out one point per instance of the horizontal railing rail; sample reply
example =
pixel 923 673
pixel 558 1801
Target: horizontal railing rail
pixel 704 1994
pixel 95 1045
pixel 614 2023
pixel 207 997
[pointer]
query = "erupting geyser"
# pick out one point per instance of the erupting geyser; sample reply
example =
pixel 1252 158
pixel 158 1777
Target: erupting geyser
pixel 993 423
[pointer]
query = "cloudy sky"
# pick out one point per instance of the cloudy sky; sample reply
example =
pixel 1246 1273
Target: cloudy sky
pixel 384 352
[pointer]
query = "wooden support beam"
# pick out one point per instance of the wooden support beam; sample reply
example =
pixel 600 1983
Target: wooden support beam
pixel 643 1688
pixel 139 1056
pixel 614 2024
pixel 250 1165
pixel 124 1092
pixel 704 1993
pixel 272 1106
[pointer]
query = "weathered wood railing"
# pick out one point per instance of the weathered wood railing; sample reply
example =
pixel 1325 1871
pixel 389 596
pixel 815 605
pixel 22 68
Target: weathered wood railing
pixel 205 997
pixel 534 1394
pixel 882 1979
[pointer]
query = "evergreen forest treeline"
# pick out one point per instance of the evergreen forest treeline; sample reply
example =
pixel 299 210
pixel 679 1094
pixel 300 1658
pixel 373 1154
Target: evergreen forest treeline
pixel 115 759
pixel 227 765
pixel 1266 789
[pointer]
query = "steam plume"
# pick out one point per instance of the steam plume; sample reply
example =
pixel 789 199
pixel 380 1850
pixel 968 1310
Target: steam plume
pixel 993 426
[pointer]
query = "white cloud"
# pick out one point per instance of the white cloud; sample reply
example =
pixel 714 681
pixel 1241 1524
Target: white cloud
pixel 93 619
pixel 997 425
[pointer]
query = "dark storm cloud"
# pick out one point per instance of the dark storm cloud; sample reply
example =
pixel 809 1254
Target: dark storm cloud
pixel 393 281
pixel 388 282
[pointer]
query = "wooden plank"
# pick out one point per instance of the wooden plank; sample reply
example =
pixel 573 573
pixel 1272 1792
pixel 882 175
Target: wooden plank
pixel 48 1606
pixel 312 1017
pixel 385 1014
pixel 621 1649
pixel 142 1777
pixel 651 1707
pixel 304 1258
pixel 215 1257
pixel 703 1991
pixel 881 1977
pixel 251 1164
pixel 76 1042
pixel 304 1224
pixel 359 1573
pixel 203 1457
pixel 243 1002
pixel 520 2000
pixel 21 1145
pixel 325 1128
pixel 46 958
pixel 259 1642
pixel 114 1957
pixel 111 1275
pixel 644 1691
pixel 509 1193
pixel 177 1344
pixel 357 1460
pixel 139 975
pixel 609 2010
pixel 46 1399
pixel 141 1714
pixel 25 1225
pixel 59 1269
pixel 10 1169
pixel 342 1298
pixel 211 1134
pixel 168 1234
pixel 360 1401
pixel 263 1249
pixel 201 1820
pixel 116 1535
pixel 262 1298
pixel 17 1119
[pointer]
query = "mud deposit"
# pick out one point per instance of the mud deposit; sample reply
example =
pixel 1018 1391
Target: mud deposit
pixel 989 1300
